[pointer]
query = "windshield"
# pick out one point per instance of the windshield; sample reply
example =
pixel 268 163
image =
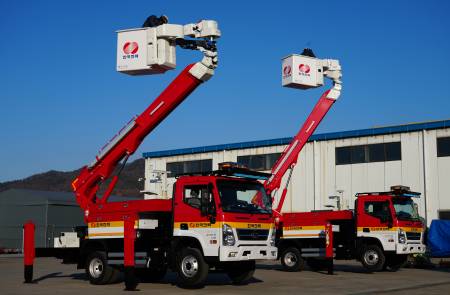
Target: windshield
pixel 243 197
pixel 405 209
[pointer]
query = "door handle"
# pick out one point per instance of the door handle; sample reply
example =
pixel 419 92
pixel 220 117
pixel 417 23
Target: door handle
pixel 184 226
pixel 366 230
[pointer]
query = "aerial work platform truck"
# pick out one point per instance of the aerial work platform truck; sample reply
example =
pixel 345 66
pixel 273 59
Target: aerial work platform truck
pixel 208 223
pixel 381 231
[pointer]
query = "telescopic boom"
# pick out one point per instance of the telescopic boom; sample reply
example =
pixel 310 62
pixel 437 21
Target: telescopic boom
pixel 143 51
pixel 304 71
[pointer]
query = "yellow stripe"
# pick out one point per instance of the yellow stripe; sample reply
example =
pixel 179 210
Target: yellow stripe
pixel 407 229
pixel 105 234
pixel 192 224
pixel 312 227
pixel 109 224
pixel 301 235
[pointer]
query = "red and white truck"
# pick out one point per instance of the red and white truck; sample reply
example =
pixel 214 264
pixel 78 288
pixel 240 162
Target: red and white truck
pixel 209 222
pixel 383 228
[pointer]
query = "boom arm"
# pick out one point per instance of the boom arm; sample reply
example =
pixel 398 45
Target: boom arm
pixel 130 137
pixel 289 157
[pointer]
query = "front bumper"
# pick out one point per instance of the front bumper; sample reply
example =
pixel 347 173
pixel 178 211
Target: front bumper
pixel 244 252
pixel 411 248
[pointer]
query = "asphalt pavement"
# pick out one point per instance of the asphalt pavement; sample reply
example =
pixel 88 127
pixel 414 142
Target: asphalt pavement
pixel 52 277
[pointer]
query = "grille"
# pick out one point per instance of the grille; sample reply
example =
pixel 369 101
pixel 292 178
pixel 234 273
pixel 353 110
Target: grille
pixel 252 234
pixel 413 236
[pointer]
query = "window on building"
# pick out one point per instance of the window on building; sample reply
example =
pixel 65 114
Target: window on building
pixel 443 147
pixel 198 166
pixel 259 162
pixel 380 152
pixel 444 214
pixel 376 153
pixel 393 151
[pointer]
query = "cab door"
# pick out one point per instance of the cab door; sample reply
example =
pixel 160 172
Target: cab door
pixel 374 219
pixel 190 217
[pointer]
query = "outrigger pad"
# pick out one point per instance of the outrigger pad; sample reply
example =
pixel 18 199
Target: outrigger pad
pixel 130 279
pixel 28 274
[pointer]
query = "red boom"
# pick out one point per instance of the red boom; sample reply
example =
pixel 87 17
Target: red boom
pixel 290 155
pixel 129 138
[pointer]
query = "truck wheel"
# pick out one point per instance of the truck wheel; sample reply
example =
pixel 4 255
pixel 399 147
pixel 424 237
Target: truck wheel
pixel 292 260
pixel 316 264
pixel 395 262
pixel 98 270
pixel 372 258
pixel 152 274
pixel 240 273
pixel 191 268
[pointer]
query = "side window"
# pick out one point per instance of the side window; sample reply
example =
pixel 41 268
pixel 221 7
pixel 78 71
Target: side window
pixel 377 209
pixel 193 194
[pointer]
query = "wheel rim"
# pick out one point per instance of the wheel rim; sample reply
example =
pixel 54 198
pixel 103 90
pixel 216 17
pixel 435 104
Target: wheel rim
pixel 371 257
pixel 290 259
pixel 96 268
pixel 189 266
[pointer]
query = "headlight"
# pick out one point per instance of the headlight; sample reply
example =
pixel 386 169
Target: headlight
pixel 228 235
pixel 273 237
pixel 401 236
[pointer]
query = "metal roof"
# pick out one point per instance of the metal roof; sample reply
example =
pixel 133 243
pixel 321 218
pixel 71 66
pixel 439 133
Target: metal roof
pixel 316 137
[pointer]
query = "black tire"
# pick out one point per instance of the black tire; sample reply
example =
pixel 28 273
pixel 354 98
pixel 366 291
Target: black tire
pixel 152 274
pixel 372 258
pixel 317 264
pixel 98 270
pixel 191 268
pixel 240 273
pixel 291 260
pixel 394 262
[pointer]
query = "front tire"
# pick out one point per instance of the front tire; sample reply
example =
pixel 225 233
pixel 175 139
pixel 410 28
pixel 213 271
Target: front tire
pixel 191 268
pixel 291 260
pixel 373 258
pixel 241 273
pixel 98 270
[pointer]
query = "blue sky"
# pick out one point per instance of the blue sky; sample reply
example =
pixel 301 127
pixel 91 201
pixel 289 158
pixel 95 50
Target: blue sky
pixel 61 98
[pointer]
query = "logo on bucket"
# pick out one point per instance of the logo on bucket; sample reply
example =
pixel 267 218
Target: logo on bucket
pixel 130 49
pixel 287 71
pixel 304 68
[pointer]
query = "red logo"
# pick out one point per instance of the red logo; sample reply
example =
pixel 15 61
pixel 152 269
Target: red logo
pixel 287 70
pixel 304 68
pixel 130 47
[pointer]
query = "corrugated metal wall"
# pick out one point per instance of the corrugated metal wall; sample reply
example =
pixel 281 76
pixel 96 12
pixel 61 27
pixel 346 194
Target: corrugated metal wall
pixel 316 176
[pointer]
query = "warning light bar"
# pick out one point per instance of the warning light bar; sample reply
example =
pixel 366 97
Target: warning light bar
pixel 231 165
pixel 239 170
pixel 396 190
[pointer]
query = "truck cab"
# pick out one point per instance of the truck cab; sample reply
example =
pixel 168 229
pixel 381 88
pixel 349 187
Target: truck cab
pixel 218 211
pixel 212 221
pixel 388 222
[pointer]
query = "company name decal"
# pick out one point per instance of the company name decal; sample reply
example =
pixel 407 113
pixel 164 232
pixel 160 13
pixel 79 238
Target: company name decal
pixel 287 71
pixel 100 224
pixel 304 70
pixel 253 225
pixel 199 224
pixel 130 50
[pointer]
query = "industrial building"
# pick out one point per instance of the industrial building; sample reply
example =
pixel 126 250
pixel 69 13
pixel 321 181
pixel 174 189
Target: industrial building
pixel 332 167
pixel 51 212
